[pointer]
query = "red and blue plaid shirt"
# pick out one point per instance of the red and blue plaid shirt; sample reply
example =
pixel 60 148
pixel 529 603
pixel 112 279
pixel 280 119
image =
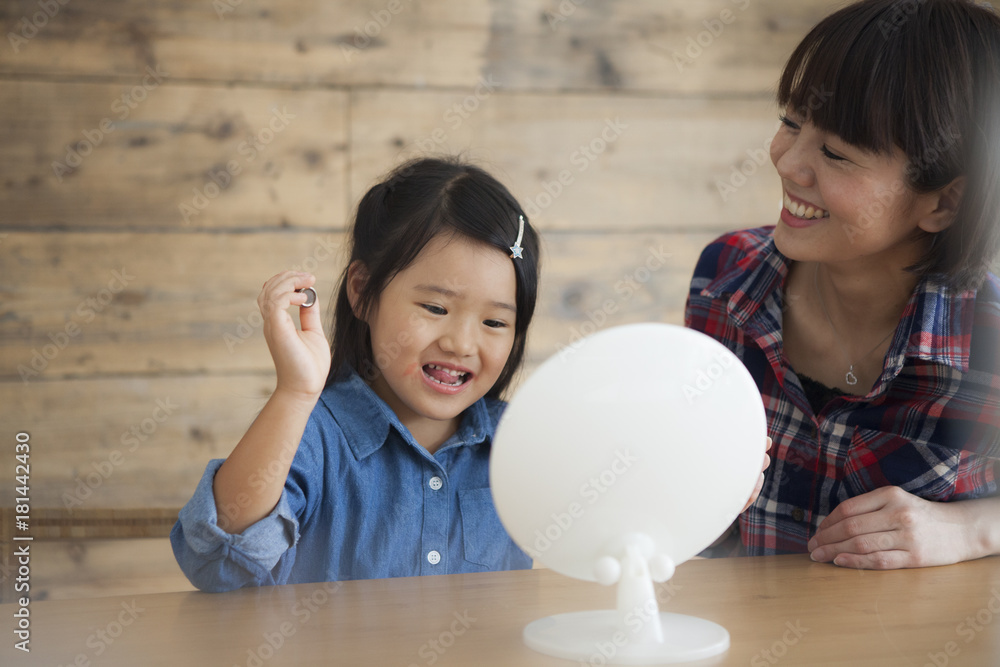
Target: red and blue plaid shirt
pixel 930 425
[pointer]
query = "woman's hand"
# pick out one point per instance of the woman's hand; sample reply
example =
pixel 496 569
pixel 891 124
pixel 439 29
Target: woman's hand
pixel 760 480
pixel 890 528
pixel 301 358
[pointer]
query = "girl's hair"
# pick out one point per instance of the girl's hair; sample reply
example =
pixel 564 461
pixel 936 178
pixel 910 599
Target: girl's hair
pixel 398 217
pixel 923 75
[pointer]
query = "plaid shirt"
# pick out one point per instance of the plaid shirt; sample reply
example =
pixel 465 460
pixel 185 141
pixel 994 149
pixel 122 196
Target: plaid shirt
pixel 930 425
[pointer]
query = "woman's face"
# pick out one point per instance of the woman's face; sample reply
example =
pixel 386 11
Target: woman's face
pixel 842 203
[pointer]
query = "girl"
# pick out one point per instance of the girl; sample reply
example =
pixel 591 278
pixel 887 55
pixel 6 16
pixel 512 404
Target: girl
pixel 375 465
pixel 867 315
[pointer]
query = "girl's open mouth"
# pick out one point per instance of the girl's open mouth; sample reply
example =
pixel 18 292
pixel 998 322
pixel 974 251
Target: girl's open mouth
pixel 446 376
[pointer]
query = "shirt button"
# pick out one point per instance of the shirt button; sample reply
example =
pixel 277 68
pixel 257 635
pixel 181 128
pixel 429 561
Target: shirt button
pixel 798 514
pixel 436 483
pixel 433 557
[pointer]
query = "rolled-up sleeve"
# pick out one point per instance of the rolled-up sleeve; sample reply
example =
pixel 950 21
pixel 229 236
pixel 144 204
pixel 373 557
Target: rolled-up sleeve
pixel 215 560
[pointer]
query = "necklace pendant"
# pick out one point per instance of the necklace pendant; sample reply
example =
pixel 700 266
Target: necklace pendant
pixel 851 378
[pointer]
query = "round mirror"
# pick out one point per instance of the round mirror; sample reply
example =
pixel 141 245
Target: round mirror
pixel 621 458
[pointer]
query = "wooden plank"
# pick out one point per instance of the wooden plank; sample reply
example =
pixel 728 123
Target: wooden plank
pixel 189 301
pixel 626 279
pixel 48 524
pixel 70 569
pixel 673 47
pixel 527 44
pixel 265 41
pixel 127 443
pixel 631 163
pixel 145 303
pixel 624 163
pixel 185 157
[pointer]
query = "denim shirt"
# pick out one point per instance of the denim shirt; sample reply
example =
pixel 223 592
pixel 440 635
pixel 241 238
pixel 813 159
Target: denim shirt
pixel 362 500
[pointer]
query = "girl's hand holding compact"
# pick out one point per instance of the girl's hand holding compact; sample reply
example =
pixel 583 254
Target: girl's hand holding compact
pixel 301 358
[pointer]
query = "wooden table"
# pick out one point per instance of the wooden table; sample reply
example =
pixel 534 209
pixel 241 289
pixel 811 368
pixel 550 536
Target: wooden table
pixel 782 610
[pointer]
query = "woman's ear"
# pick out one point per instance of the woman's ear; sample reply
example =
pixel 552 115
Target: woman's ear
pixel 357 276
pixel 947 201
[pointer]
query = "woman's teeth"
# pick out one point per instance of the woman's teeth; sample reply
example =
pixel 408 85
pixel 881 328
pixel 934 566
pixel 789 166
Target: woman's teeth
pixel 803 211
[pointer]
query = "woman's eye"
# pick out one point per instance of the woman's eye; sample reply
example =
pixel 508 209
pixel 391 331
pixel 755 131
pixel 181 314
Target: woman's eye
pixel 495 324
pixel 832 156
pixel 788 122
pixel 436 310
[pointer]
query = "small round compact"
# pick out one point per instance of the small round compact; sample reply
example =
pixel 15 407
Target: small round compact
pixel 310 296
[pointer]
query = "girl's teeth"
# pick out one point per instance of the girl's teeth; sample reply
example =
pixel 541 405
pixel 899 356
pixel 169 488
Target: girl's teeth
pixel 449 371
pixel 458 375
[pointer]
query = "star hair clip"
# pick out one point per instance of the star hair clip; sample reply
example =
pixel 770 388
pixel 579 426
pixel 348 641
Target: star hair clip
pixel 516 249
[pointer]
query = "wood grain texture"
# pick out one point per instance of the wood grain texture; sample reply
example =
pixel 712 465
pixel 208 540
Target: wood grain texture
pixel 187 303
pixel 260 41
pixel 190 158
pixel 586 162
pixel 807 613
pixel 70 569
pixel 678 48
pixel 129 443
pixel 87 523
pixel 629 278
pixel 146 302
pixel 172 156
pixel 660 46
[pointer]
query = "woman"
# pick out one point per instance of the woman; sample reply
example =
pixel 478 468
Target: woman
pixel 867 315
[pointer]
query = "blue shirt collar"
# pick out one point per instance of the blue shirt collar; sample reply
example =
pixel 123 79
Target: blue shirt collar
pixel 366 419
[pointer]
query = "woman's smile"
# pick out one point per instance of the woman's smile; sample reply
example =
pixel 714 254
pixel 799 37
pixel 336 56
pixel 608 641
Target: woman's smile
pixel 797 213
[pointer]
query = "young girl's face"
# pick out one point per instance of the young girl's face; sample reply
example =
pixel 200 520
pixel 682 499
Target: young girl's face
pixel 443 329
pixel 861 204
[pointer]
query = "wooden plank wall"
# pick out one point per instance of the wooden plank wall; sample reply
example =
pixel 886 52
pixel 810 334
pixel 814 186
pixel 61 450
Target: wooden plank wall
pixel 130 259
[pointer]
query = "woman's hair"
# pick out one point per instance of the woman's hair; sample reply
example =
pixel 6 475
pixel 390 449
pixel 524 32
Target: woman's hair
pixel 398 217
pixel 923 75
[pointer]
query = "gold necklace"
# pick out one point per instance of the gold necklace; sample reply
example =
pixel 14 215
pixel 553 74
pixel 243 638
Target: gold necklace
pixel 850 378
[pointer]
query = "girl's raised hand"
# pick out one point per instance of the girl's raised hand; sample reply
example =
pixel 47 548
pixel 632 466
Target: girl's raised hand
pixel 301 358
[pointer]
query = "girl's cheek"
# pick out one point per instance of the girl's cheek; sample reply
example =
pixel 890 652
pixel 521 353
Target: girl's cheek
pixel 412 369
pixel 503 354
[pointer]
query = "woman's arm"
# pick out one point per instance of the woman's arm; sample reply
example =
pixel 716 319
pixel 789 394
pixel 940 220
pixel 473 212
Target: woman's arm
pixel 987 527
pixel 890 528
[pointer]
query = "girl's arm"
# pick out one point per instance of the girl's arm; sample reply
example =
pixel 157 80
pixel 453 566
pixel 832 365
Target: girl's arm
pixel 890 528
pixel 249 484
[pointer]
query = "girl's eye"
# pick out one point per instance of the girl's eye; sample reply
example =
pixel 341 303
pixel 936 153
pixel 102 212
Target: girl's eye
pixel 832 156
pixel 788 122
pixel 436 310
pixel 495 324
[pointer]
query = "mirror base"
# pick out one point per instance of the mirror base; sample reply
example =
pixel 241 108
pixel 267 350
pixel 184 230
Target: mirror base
pixel 595 637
